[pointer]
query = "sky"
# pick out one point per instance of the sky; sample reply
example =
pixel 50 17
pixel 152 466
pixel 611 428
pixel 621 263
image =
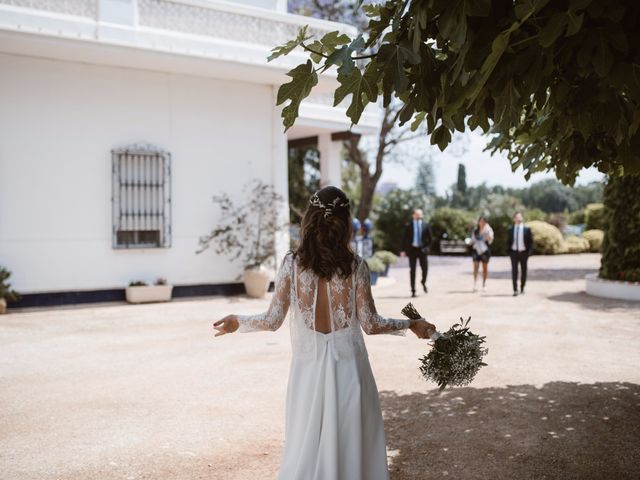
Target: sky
pixel 480 166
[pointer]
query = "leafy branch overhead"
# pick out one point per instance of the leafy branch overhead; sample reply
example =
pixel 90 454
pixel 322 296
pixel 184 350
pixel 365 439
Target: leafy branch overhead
pixel 557 83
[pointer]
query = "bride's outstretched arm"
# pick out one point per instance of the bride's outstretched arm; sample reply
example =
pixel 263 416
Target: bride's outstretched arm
pixel 274 316
pixel 370 320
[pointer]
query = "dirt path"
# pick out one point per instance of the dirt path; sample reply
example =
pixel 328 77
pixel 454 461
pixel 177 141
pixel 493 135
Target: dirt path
pixel 133 392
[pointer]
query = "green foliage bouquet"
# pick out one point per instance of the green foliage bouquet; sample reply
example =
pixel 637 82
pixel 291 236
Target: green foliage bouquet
pixel 456 355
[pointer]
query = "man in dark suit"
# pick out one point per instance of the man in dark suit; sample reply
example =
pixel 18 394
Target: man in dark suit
pixel 520 245
pixel 415 244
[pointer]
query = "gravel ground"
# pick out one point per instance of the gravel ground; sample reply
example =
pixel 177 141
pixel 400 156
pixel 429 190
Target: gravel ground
pixel 145 392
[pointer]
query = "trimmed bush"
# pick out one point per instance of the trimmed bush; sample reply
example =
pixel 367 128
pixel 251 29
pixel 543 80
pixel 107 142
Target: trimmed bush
pixel 547 238
pixel 456 224
pixel 574 244
pixel 594 237
pixel 386 257
pixel 621 247
pixel 375 264
pixel 595 216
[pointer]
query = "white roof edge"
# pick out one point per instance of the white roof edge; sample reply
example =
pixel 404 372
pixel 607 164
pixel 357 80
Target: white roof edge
pixel 269 14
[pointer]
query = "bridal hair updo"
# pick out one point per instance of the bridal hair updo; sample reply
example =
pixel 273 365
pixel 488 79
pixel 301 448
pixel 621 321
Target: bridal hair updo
pixel 325 235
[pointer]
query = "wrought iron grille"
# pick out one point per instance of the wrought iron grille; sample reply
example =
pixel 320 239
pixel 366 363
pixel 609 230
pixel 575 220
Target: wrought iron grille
pixel 141 197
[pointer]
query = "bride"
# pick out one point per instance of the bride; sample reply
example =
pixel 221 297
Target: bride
pixel 334 428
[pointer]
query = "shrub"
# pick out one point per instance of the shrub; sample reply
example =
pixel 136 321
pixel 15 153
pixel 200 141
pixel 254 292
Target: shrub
pixel 456 224
pixel 6 291
pixel 620 246
pixel 575 244
pixel 594 237
pixel 578 217
pixel 386 257
pixel 547 239
pixel 594 216
pixel 375 264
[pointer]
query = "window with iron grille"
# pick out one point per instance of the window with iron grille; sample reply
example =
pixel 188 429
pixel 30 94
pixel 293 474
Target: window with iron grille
pixel 141 197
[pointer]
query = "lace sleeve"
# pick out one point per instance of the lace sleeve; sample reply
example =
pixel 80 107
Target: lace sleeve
pixel 274 316
pixel 370 321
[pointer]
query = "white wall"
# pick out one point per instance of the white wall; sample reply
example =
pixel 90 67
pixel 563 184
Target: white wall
pixel 58 123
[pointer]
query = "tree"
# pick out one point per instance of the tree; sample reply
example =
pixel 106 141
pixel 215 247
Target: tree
pixel 556 83
pixel 621 248
pixel 370 162
pixel 426 178
pixel 461 183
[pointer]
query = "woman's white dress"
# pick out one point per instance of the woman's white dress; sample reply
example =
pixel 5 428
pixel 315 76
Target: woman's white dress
pixel 334 428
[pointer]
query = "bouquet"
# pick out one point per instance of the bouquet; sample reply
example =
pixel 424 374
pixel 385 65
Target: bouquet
pixel 456 355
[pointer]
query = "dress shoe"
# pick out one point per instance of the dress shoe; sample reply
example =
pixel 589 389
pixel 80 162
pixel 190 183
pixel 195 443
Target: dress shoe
pixel 413 294
pixel 515 293
pixel 424 286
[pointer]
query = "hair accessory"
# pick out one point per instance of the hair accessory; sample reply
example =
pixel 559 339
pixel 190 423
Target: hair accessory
pixel 328 207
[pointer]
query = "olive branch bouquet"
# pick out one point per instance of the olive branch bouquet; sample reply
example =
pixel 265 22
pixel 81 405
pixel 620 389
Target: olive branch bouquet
pixel 456 355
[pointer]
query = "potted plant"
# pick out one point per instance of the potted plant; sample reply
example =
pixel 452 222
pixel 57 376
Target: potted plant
pixel 6 293
pixel 387 258
pixel 375 268
pixel 141 292
pixel 247 231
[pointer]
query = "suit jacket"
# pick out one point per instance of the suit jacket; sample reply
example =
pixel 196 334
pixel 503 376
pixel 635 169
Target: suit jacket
pixel 528 239
pixel 425 237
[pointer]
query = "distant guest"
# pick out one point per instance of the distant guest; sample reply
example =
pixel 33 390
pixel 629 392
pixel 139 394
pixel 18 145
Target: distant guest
pixel 415 244
pixel 481 239
pixel 520 245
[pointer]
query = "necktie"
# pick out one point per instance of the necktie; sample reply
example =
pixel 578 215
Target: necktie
pixel 416 232
pixel 518 238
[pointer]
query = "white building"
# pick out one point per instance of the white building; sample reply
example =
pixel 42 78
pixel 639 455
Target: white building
pixel 177 91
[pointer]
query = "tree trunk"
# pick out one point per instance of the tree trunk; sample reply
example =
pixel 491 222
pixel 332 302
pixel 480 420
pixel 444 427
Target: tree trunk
pixel 369 181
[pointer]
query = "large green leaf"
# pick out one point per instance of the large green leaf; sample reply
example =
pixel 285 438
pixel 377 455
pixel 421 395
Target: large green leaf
pixel 342 57
pixel 303 79
pixel 362 88
pixel 290 45
pixel 552 30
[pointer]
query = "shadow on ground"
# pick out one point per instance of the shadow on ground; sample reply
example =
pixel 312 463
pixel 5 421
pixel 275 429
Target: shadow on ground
pixel 547 274
pixel 560 431
pixel 596 303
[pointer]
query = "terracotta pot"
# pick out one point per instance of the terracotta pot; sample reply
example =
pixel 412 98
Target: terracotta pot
pixel 256 281
pixel 3 306
pixel 149 293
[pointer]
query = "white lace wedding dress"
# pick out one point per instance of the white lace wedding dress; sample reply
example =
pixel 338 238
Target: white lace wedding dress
pixel 334 428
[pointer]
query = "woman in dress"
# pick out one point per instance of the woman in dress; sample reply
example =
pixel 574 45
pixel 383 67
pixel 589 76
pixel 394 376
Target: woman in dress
pixel 334 428
pixel 481 238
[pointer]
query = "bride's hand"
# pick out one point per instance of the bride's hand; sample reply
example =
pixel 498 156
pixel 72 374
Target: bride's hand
pixel 422 328
pixel 228 324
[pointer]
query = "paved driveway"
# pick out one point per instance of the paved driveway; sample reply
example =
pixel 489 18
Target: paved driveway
pixel 131 392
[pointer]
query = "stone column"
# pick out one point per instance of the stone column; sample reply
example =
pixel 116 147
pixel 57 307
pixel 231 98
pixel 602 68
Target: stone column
pixel 330 160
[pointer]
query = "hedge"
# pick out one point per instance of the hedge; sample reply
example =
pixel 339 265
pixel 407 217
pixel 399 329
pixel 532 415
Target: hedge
pixel 621 245
pixel 594 237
